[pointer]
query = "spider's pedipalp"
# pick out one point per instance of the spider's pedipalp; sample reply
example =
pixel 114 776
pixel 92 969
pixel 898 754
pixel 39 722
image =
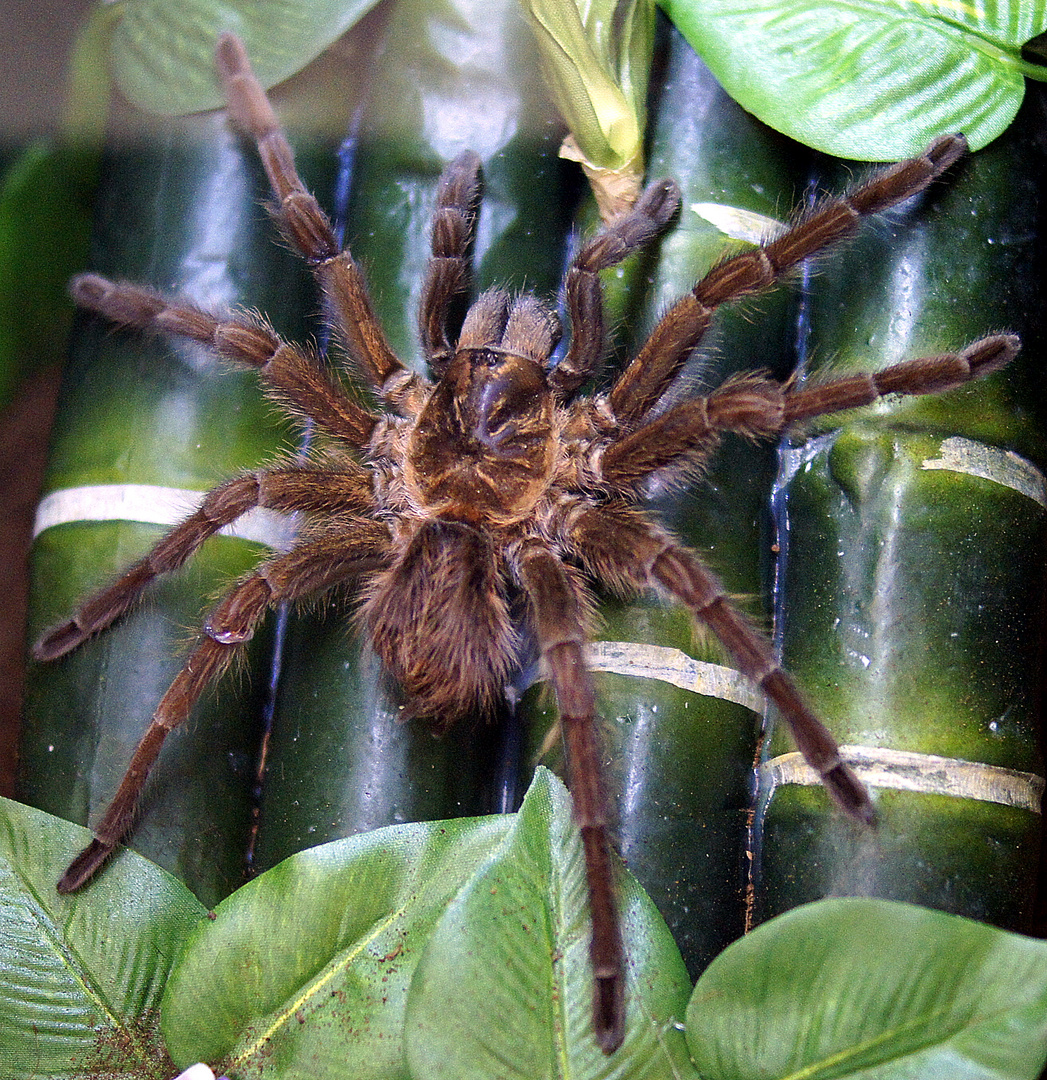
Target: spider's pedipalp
pixel 306 570
pixel 632 231
pixel 447 274
pixel 584 294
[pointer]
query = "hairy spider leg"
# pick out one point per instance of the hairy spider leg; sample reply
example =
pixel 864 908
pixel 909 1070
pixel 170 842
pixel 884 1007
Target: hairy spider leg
pixel 294 376
pixel 640 387
pixel 756 406
pixel 611 539
pixel 925 375
pixel 308 229
pixel 290 489
pixel 558 609
pixel 447 275
pixel 307 570
pixel 582 288
pixel 620 548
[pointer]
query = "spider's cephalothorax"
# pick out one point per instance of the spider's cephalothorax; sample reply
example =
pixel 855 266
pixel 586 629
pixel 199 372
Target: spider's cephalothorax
pixel 496 481
pixel 469 474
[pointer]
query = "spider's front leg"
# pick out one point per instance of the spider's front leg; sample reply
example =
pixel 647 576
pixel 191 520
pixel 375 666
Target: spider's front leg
pixel 305 224
pixel 557 610
pixel 643 383
pixel 307 570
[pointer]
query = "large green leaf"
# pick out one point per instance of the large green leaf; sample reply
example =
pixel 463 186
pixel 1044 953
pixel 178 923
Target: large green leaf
pixel 869 80
pixel 504 987
pixel 304 971
pixel 872 990
pixel 163 52
pixel 81 976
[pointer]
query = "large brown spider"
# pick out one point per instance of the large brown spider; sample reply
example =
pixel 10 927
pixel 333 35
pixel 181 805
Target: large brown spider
pixel 497 479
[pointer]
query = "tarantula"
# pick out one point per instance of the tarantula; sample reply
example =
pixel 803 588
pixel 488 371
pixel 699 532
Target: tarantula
pixel 495 481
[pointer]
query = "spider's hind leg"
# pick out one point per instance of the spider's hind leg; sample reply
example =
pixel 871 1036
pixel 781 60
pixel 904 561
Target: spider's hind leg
pixel 558 613
pixel 306 570
pixel 629 554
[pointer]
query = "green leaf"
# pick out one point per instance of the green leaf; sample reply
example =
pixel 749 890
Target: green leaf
pixel 596 56
pixel 504 987
pixel 598 77
pixel 868 989
pixel 163 52
pixel 874 81
pixel 81 976
pixel 304 971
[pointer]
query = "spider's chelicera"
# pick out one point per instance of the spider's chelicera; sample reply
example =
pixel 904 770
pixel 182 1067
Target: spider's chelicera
pixel 496 480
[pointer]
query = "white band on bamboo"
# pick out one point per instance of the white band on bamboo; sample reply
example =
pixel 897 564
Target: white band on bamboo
pixel 737 223
pixel 991 463
pixel 901 770
pixel 154 505
pixel 675 667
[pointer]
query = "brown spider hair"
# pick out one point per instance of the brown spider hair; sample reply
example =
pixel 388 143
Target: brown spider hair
pixel 496 480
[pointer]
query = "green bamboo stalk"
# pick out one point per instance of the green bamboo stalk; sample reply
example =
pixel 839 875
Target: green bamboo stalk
pixel 915 576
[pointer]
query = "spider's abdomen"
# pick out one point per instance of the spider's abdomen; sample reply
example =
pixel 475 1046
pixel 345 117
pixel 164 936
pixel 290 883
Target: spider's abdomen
pixel 483 448
pixel 439 621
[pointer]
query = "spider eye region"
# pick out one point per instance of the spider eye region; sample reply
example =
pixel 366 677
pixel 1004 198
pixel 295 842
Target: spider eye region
pixel 483 446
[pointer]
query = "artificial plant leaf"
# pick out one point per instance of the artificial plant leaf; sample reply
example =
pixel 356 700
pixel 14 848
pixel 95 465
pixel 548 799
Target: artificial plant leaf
pixel 865 988
pixel 596 56
pixel 163 53
pixel 304 971
pixel 81 976
pixel 504 987
pixel 874 82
